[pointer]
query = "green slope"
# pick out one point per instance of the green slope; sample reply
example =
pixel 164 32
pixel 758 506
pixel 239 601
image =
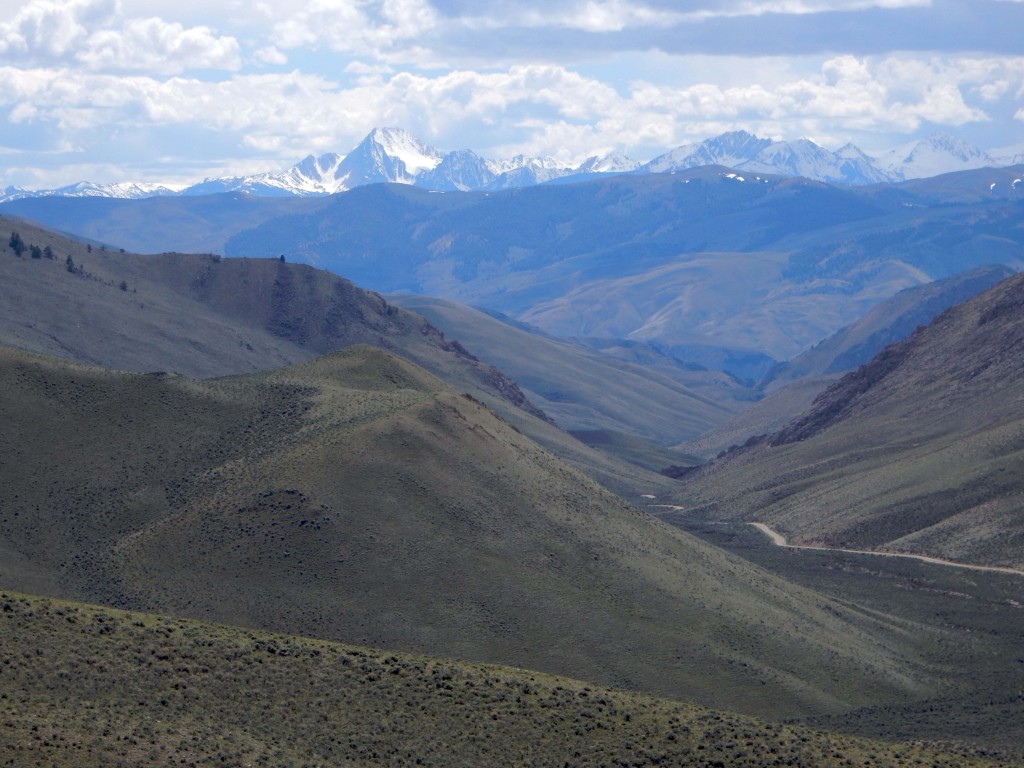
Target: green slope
pixel 88 686
pixel 357 498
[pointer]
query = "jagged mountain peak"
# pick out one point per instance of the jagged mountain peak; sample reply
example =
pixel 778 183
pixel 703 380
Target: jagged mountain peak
pixel 395 155
pixel 730 149
pixel 401 144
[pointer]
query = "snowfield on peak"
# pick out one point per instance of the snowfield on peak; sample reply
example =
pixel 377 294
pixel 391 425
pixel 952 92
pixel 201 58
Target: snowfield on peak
pixel 402 145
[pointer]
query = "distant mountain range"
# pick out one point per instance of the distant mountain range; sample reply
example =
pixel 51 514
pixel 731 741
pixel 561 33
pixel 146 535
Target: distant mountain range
pixel 393 155
pixel 723 268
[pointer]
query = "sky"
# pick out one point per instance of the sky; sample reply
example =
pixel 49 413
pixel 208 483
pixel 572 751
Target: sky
pixel 175 91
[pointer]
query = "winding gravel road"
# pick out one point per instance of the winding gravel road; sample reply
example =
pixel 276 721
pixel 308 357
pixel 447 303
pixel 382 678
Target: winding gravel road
pixel 780 541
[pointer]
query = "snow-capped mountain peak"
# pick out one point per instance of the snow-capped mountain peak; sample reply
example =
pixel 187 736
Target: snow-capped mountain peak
pixel 386 155
pixel 616 162
pixel 127 190
pixel 729 149
pixel 393 155
pixel 939 153
pixel 399 144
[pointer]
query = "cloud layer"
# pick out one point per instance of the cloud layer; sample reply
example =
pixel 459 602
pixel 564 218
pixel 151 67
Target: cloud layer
pixel 159 90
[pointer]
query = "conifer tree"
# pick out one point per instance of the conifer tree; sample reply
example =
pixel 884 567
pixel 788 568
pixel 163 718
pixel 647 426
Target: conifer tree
pixel 17 244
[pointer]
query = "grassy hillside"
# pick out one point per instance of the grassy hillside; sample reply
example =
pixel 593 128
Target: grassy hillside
pixel 918 451
pixel 356 498
pixel 86 686
pixel 967 621
pixel 200 315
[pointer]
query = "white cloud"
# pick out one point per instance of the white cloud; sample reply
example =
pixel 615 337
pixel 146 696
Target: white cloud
pixel 154 45
pixel 357 27
pixel 270 55
pixel 532 104
pixel 799 7
pixel 51 28
pixel 95 34
pixel 893 94
pixel 617 15
pixel 587 15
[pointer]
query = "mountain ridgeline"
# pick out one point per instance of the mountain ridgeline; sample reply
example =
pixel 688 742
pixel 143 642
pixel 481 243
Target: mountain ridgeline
pixel 731 271
pixel 280 450
pixel 201 315
pixel 393 155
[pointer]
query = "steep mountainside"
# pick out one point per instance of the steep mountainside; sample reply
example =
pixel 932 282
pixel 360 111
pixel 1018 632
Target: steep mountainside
pixel 86 686
pixel 793 385
pixel 768 415
pixel 356 498
pixel 919 450
pixel 891 320
pixel 201 315
pixel 586 390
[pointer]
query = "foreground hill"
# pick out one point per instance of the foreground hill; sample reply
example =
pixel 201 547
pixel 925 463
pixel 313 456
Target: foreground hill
pixel 356 498
pixel 85 686
pixel 918 451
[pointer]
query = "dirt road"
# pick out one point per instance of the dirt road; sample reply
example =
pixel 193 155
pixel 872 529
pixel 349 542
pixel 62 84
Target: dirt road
pixel 780 541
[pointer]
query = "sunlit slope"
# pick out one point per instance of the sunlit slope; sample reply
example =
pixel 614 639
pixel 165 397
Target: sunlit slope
pixel 357 498
pixel 86 686
pixel 918 451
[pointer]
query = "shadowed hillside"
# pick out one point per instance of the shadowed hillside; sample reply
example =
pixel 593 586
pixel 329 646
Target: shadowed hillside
pixel 793 385
pixel 86 686
pixel 356 498
pixel 919 450
pixel 200 315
